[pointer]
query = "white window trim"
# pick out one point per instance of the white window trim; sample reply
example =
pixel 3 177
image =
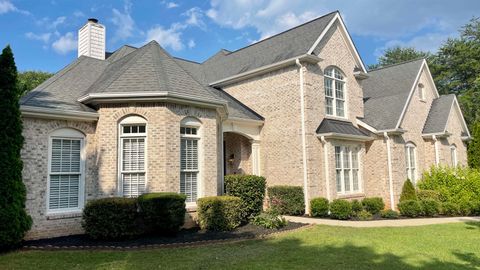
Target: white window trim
pixel 421 92
pixel 453 155
pixel 69 134
pixel 334 92
pixel 194 123
pixel 130 121
pixel 408 161
pixel 360 170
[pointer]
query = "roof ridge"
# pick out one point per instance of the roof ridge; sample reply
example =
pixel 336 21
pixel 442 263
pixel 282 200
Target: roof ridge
pixel 283 32
pixel 187 60
pixel 398 64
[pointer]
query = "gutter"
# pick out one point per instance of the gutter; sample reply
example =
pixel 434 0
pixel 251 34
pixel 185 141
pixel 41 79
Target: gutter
pixel 390 177
pixel 304 144
pixel 325 160
pixel 308 58
pixel 47 113
pixel 340 136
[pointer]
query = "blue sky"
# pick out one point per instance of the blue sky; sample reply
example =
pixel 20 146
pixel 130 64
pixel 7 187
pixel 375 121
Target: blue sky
pixel 43 33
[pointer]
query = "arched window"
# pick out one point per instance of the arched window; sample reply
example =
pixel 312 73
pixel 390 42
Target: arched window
pixel 190 129
pixel 421 91
pixel 411 161
pixel 453 155
pixel 66 171
pixel 133 153
pixel 334 83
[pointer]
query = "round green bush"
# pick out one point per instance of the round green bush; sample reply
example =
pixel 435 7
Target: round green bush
pixel 430 207
pixel 319 207
pixel 373 205
pixel 162 212
pixel 111 218
pixel 340 209
pixel 287 200
pixel 449 209
pixel 219 213
pixel 356 206
pixel 410 208
pixel 249 188
pixel 389 214
pixel 364 215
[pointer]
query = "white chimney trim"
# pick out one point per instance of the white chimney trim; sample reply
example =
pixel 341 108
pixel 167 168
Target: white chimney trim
pixel 91 40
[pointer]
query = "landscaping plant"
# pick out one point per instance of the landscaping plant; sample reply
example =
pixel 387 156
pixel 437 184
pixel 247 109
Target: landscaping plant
pixel 408 191
pixel 219 213
pixel 364 215
pixel 390 214
pixel 410 208
pixel 162 212
pixel 356 206
pixel 319 207
pixel 430 207
pixel 249 188
pixel 373 205
pixel 270 220
pixel 341 209
pixel 287 200
pixel 449 209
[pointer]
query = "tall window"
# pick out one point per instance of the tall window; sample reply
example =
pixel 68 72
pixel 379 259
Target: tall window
pixel 411 162
pixel 133 136
pixel 453 155
pixel 334 92
pixel 189 167
pixel 421 91
pixel 347 169
pixel 65 172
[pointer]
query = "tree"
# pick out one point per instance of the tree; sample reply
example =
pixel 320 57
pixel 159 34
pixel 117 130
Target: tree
pixel 14 221
pixel 474 147
pixel 28 80
pixel 397 55
pixel 408 191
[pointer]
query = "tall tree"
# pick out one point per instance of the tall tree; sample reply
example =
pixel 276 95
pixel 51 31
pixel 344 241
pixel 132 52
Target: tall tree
pixel 397 55
pixel 28 80
pixel 14 221
pixel 474 147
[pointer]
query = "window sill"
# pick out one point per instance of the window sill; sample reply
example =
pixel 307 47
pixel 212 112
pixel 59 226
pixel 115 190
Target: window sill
pixel 350 196
pixel 345 119
pixel 64 215
pixel 191 207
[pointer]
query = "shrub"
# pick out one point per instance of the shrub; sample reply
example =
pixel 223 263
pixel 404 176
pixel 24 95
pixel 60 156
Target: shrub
pixel 449 209
pixel 219 213
pixel 270 220
pixel 319 207
pixel 430 207
pixel 356 206
pixel 428 194
pixel 408 191
pixel 390 214
pixel 162 212
pixel 466 208
pixel 373 205
pixel 111 218
pixel 249 188
pixel 364 215
pixel 340 209
pixel 410 208
pixel 287 200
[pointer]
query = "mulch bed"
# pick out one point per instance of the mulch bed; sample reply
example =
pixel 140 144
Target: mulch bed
pixel 190 237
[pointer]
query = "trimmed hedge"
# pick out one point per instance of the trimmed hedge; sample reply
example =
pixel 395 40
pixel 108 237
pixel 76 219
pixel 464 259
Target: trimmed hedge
pixel 249 188
pixel 162 212
pixel 356 206
pixel 341 209
pixel 408 191
pixel 430 207
pixel 410 208
pixel 219 213
pixel 373 205
pixel 111 218
pixel 319 207
pixel 390 214
pixel 287 200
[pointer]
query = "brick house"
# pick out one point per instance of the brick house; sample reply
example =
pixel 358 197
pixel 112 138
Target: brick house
pixel 299 108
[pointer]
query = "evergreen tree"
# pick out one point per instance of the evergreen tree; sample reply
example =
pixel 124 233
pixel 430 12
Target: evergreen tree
pixel 14 221
pixel 474 147
pixel 397 55
pixel 408 191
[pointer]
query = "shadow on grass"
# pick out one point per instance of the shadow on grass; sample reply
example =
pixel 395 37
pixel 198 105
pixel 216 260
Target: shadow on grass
pixel 472 225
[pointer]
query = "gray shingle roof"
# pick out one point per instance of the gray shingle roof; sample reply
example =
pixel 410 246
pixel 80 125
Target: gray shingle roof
pixel 386 92
pixel 438 116
pixel 340 127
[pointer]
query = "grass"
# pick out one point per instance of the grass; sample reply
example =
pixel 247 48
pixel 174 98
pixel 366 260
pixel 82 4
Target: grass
pixel 449 246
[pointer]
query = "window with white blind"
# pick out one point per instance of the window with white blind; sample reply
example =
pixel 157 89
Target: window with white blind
pixel 133 138
pixel 189 164
pixel 411 162
pixel 453 155
pixel 334 83
pixel 347 169
pixel 65 171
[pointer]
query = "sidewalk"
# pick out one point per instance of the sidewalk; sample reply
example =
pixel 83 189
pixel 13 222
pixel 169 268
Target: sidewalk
pixel 382 223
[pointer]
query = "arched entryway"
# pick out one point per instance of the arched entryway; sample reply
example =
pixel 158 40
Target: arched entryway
pixel 237 154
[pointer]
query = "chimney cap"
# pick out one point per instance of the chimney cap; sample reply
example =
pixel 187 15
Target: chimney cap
pixel 93 20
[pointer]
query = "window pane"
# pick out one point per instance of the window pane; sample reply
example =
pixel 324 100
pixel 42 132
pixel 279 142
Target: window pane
pixel 64 191
pixel 339 90
pixel 182 130
pixel 329 106
pixel 189 154
pixel 65 155
pixel 133 184
pixel 355 180
pixel 340 109
pixel 412 157
pixel 355 158
pixel 134 129
pixel 133 157
pixel 141 129
pixel 328 87
pixel 339 180
pixel 346 178
pixel 188 185
pixel 338 75
pixel 338 158
pixel 346 158
pixel 126 129
pixel 329 72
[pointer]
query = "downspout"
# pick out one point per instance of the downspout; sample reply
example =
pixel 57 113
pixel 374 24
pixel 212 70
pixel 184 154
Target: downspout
pixel 327 173
pixel 435 145
pixel 390 177
pixel 304 146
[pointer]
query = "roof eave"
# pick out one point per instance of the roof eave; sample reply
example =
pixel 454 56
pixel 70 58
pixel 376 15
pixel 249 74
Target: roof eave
pixel 306 58
pixel 50 113
pixel 443 134
pixel 347 137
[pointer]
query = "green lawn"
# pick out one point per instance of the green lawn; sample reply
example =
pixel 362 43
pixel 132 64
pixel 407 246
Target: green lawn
pixel 451 246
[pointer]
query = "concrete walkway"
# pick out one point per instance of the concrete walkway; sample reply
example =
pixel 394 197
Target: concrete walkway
pixel 382 223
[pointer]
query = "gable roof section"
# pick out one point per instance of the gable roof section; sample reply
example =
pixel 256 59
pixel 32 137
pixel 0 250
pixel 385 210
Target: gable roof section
pixel 438 116
pixel 387 93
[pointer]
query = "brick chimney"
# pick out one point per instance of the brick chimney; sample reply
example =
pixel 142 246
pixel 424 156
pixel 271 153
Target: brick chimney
pixel 91 40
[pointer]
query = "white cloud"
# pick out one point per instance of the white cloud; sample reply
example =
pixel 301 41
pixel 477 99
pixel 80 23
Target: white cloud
pixel 65 44
pixel 124 22
pixel 44 37
pixel 58 21
pixel 6 6
pixel 171 5
pixel 191 43
pixel 426 43
pixel 168 38
pixel 78 14
pixel 195 17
